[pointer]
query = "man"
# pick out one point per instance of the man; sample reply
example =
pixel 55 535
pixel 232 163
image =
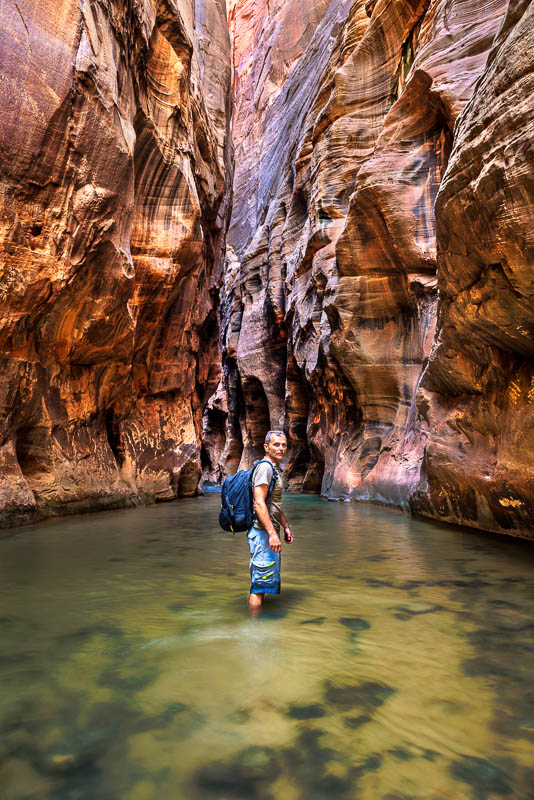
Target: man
pixel 263 538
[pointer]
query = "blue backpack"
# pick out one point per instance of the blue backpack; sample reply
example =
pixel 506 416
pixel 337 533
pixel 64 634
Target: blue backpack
pixel 237 498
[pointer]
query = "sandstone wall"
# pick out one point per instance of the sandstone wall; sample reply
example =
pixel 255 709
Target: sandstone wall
pixel 477 393
pixel 346 136
pixel 377 292
pixel 114 153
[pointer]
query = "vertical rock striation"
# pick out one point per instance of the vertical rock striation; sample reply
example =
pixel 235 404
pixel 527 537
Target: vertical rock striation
pixel 383 309
pixel 477 392
pixel 114 153
pixel 382 183
pixel 376 295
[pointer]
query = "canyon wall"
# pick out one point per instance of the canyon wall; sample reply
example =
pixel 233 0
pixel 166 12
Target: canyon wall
pixel 477 392
pixel 377 300
pixel 114 204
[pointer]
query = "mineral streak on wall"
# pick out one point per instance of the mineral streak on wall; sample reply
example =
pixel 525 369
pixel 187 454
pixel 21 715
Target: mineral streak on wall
pixel 114 154
pixel 383 184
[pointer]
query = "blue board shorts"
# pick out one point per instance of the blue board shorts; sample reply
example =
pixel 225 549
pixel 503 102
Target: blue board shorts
pixel 264 564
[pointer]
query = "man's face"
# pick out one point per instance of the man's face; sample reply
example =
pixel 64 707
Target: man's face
pixel 276 449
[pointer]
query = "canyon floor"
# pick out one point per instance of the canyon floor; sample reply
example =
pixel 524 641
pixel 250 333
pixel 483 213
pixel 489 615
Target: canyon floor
pixel 397 662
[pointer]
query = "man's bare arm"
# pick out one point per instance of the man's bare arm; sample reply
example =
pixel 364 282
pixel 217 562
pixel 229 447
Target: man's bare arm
pixel 262 512
pixel 288 534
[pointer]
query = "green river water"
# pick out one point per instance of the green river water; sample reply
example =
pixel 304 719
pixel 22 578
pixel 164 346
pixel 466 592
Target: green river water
pixel 397 663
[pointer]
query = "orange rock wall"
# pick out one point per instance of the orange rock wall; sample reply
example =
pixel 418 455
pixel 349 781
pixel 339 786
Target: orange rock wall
pixel 114 155
pixel 382 186
pixel 477 392
pixel 376 295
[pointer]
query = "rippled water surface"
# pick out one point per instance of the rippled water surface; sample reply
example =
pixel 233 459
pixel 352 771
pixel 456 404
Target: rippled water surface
pixel 397 663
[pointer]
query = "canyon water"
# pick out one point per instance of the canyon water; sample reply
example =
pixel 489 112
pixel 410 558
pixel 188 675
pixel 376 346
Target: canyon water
pixel 397 663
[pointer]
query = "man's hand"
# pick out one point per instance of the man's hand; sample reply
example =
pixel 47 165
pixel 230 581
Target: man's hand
pixel 288 536
pixel 274 543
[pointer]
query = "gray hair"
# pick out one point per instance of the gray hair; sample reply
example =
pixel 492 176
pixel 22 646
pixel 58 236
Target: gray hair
pixel 274 433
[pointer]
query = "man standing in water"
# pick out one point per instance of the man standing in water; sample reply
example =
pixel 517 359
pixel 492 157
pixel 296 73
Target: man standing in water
pixel 263 537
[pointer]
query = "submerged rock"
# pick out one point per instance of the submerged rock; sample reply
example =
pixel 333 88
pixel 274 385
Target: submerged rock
pixel 246 776
pixel 356 722
pixel 485 778
pixel 74 750
pixel 355 623
pixel 409 610
pixel 310 711
pixel 367 696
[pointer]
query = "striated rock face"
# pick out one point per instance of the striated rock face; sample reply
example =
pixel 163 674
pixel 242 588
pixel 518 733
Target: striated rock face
pixel 477 393
pixel 382 184
pixel 114 154
pixel 383 309
pixel 376 294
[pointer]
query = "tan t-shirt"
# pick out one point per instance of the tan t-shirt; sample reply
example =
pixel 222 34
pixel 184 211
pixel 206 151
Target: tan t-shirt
pixel 263 475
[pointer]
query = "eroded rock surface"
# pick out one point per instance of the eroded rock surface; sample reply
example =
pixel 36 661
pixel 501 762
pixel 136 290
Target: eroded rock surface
pixel 377 289
pixel 477 393
pixel 343 137
pixel 114 154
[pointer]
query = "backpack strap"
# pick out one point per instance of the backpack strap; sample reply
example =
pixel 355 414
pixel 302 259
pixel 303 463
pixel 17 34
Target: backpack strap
pixel 274 477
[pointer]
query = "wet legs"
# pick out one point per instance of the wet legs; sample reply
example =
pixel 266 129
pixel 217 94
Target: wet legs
pixel 255 600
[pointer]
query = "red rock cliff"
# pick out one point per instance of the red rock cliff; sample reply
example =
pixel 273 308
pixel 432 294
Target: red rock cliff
pixel 114 155
pixel 377 292
pixel 383 183
pixel 477 392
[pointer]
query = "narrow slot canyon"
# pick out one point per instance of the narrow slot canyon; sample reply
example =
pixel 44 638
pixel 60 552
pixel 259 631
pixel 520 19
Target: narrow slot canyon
pixel 310 216
pixel 223 218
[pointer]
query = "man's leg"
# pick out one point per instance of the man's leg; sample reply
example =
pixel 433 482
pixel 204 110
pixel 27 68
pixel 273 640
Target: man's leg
pixel 255 599
pixel 264 568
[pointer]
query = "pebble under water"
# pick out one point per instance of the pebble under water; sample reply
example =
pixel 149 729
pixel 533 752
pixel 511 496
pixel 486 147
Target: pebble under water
pixel 397 663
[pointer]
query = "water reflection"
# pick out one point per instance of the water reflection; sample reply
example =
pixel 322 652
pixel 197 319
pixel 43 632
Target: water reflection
pixel 397 663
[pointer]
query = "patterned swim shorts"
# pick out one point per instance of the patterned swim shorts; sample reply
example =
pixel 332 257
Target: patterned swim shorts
pixel 264 564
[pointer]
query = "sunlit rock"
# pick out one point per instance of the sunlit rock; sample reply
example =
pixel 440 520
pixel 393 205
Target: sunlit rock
pixel 382 188
pixel 115 152
pixel 477 393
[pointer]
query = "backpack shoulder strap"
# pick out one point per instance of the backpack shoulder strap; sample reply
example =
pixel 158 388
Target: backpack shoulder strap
pixel 274 475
